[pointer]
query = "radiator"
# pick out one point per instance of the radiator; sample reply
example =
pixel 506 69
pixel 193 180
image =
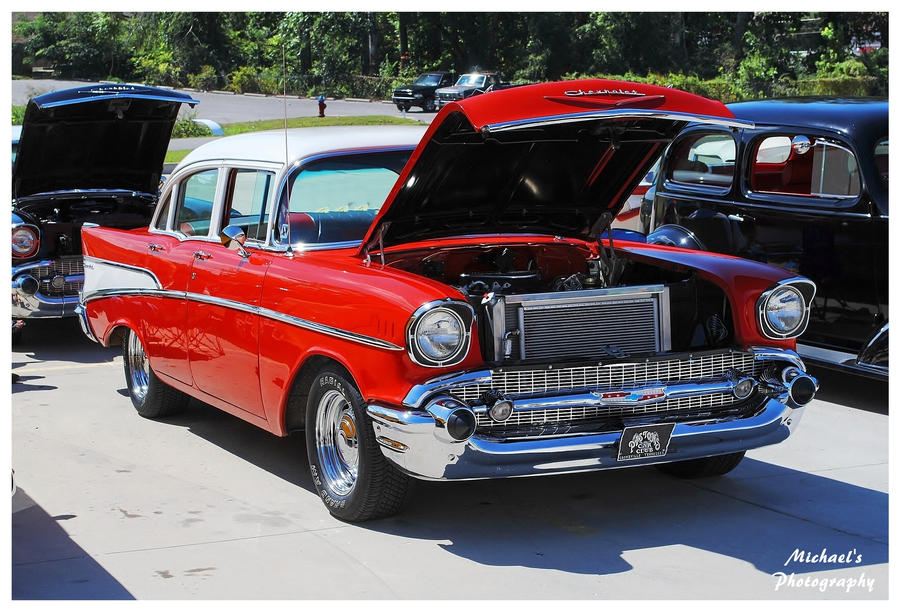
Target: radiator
pixel 591 324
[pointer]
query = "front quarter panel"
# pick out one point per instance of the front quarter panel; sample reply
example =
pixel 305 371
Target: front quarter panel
pixel 334 305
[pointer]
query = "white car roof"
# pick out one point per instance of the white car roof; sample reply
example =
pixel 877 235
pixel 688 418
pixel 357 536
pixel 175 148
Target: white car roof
pixel 269 146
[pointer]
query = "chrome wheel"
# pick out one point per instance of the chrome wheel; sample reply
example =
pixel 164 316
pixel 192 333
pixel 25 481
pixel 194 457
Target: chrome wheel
pixel 337 442
pixel 138 368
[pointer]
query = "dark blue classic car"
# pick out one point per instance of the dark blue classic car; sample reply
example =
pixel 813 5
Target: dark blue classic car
pixel 806 189
pixel 88 154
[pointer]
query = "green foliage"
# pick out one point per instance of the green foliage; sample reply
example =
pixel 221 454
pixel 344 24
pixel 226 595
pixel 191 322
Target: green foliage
pixel 205 80
pixel 243 80
pixel 18 114
pixel 733 55
pixel 186 127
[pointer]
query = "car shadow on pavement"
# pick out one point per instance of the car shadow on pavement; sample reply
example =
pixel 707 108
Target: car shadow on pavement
pixel 852 390
pixel 59 340
pixel 282 457
pixel 48 564
pixel 593 523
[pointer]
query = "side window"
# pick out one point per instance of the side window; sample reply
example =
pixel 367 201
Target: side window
pixel 336 199
pixel 163 213
pixel 705 159
pixel 196 195
pixel 245 204
pixel 881 160
pixel 804 165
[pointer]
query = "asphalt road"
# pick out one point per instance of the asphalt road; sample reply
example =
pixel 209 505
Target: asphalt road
pixel 230 108
pixel 205 506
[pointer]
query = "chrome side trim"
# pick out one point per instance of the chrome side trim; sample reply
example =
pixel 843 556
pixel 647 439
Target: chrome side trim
pixel 328 330
pixel 616 114
pixel 248 308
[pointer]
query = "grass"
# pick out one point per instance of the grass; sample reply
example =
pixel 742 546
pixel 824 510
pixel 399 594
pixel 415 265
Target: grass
pixel 303 122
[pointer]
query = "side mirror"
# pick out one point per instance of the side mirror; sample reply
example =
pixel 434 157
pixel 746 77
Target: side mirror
pixel 233 237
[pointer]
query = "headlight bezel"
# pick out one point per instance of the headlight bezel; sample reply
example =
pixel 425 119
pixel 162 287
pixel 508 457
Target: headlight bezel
pixel 462 312
pixel 804 289
pixel 36 241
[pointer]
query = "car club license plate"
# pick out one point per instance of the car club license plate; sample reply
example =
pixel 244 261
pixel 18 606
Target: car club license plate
pixel 642 441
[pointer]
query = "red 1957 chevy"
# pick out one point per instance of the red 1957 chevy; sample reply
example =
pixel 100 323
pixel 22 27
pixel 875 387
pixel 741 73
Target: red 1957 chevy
pixel 453 305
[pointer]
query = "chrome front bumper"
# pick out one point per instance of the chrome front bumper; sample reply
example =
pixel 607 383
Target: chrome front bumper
pixel 29 303
pixel 418 440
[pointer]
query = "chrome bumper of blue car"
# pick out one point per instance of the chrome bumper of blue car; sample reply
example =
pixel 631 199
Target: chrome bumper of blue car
pixel 438 439
pixel 28 300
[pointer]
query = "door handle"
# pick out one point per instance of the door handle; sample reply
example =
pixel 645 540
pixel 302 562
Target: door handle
pixel 156 247
pixel 201 255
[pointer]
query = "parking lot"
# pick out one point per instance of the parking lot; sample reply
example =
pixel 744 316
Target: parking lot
pixel 205 506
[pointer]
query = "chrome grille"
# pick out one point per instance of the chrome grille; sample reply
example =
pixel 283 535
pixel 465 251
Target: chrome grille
pixel 526 419
pixel 612 375
pixel 64 266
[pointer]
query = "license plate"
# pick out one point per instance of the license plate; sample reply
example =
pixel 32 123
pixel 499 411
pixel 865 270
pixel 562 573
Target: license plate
pixel 643 441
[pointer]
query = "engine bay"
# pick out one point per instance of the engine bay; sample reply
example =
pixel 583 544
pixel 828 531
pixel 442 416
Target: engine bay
pixel 575 301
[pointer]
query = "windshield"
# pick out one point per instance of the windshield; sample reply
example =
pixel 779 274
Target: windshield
pixel 471 80
pixel 428 79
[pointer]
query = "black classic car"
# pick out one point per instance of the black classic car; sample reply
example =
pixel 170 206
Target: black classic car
pixel 806 189
pixel 91 154
pixel 470 84
pixel 421 91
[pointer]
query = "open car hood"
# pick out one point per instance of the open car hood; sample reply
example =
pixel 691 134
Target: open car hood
pixel 107 136
pixel 554 158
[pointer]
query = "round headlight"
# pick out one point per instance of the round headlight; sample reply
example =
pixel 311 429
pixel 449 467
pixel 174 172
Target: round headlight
pixel 25 241
pixel 439 335
pixel 784 311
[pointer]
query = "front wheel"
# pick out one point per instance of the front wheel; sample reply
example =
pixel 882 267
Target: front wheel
pixel 151 397
pixel 351 475
pixel 702 468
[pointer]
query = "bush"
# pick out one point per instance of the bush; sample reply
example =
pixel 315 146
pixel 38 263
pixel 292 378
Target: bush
pixel 186 127
pixel 18 115
pixel 206 80
pixel 243 80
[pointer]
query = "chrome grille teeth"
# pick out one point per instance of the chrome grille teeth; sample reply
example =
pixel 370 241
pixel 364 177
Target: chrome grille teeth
pixel 613 376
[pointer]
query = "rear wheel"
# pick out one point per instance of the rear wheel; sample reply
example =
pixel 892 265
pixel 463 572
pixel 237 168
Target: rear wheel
pixel 351 475
pixel 429 105
pixel 152 398
pixel 702 468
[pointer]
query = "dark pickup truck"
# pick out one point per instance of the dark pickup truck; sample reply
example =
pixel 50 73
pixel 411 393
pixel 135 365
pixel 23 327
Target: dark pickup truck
pixel 421 91
pixel 470 84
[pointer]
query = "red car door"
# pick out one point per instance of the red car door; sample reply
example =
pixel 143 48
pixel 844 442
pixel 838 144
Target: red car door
pixel 223 325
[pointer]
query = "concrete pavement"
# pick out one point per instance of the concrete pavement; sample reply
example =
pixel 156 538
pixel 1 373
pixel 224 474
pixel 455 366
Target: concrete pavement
pixel 205 506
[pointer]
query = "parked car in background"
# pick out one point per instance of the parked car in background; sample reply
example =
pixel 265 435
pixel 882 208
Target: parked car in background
pixel 421 92
pixel 449 309
pixel 91 154
pixel 629 218
pixel 470 84
pixel 806 189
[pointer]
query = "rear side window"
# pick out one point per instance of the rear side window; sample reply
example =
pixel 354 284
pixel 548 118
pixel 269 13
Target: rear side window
pixel 704 160
pixel 804 165
pixel 881 160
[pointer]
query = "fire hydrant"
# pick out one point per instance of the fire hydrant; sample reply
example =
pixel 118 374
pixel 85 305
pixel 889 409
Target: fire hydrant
pixel 322 105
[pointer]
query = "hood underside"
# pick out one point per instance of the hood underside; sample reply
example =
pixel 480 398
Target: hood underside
pixel 95 137
pixel 536 160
